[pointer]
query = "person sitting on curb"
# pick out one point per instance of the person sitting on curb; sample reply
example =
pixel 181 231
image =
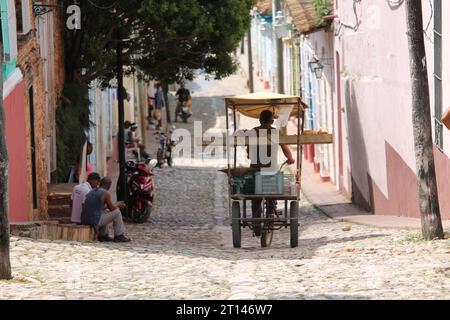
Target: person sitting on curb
pixel 132 139
pixel 99 211
pixel 79 194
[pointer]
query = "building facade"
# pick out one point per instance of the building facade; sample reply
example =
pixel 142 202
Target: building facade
pixel 104 120
pixel 33 80
pixel 354 75
pixel 372 68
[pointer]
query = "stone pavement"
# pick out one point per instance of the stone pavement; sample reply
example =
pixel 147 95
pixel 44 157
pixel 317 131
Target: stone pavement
pixel 185 250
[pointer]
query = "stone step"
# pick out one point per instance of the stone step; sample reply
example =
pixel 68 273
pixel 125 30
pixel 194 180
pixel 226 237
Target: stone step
pixel 59 211
pixel 53 230
pixel 59 201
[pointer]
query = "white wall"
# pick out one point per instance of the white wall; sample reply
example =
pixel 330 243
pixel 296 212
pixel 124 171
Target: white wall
pixel 320 45
pixel 101 131
pixel 375 66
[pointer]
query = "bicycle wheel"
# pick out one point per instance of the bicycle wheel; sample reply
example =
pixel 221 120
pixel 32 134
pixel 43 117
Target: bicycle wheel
pixel 236 224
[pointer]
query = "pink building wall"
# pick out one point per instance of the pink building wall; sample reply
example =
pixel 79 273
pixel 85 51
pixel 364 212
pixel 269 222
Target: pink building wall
pixel 378 147
pixel 19 184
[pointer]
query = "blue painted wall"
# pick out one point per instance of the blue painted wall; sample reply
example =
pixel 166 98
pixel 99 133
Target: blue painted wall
pixel 8 67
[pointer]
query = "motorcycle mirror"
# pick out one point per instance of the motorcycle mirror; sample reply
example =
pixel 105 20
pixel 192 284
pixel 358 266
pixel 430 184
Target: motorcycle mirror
pixel 152 163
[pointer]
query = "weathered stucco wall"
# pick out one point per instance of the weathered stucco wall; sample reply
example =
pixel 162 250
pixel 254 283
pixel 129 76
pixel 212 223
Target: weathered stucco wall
pixel 18 182
pixel 377 102
pixel 31 65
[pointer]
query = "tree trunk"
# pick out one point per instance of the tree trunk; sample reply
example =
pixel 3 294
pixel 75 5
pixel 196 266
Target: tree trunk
pixel 165 87
pixel 423 141
pixel 5 264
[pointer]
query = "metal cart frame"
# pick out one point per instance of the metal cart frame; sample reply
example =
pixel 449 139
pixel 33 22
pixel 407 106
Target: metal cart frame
pixel 252 105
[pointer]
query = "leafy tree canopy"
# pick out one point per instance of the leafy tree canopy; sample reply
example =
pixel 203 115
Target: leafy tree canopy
pixel 166 40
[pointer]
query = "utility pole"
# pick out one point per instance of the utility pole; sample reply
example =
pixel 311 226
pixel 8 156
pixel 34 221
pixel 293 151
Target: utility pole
pixel 251 83
pixel 122 183
pixel 279 46
pixel 423 141
pixel 5 263
pixel 165 88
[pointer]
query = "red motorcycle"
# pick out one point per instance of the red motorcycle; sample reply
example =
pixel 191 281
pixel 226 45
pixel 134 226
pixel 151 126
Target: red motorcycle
pixel 140 190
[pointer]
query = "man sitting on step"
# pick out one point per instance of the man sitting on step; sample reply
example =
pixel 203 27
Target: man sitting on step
pixel 99 211
pixel 79 194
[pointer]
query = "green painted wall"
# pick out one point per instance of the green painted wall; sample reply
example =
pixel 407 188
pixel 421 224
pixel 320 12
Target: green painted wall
pixel 8 67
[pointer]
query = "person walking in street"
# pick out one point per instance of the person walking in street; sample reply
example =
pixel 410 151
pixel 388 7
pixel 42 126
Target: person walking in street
pixel 160 103
pixel 150 109
pixel 99 211
pixel 79 194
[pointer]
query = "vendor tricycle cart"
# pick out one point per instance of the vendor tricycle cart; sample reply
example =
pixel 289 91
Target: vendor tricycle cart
pixel 248 187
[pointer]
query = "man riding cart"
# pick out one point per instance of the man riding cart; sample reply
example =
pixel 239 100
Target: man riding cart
pixel 264 183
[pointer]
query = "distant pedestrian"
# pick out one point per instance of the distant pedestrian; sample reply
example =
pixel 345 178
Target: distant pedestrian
pixel 150 110
pixel 184 95
pixel 160 103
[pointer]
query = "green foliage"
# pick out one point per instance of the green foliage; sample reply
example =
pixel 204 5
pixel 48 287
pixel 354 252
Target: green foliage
pixel 410 239
pixel 165 40
pixel 72 119
pixel 416 238
pixel 168 40
pixel 323 8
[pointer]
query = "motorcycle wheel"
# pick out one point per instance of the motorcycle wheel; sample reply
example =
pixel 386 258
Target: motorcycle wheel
pixel 170 162
pixel 185 119
pixel 141 216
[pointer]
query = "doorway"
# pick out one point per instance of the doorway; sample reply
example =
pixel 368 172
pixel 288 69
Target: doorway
pixel 339 117
pixel 33 147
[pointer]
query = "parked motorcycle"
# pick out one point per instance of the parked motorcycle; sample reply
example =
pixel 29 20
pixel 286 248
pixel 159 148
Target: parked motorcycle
pixel 185 113
pixel 166 143
pixel 140 190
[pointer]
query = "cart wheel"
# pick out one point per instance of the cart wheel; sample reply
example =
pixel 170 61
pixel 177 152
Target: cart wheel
pixel 236 224
pixel 294 224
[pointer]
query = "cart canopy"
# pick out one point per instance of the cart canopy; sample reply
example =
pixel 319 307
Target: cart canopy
pixel 251 105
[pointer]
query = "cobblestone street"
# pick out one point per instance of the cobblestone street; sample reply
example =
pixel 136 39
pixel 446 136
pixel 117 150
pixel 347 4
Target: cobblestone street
pixel 185 250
